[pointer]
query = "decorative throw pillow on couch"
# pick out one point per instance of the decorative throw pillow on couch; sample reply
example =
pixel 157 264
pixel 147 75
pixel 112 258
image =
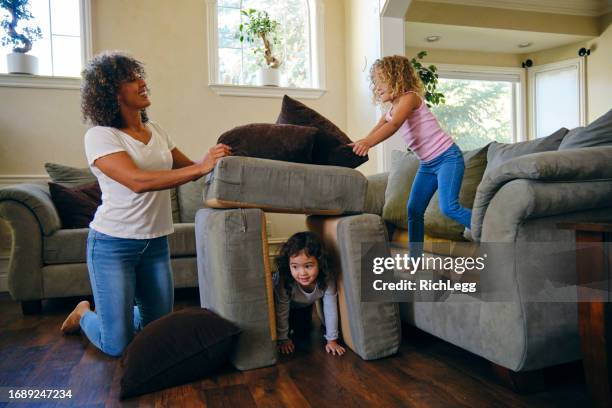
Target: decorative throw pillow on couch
pixel 76 206
pixel 178 348
pixel 404 166
pixel 272 141
pixel 598 133
pixel 331 144
pixel 499 153
pixel 68 176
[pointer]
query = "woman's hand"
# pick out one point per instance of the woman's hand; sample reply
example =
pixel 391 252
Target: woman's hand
pixel 214 154
pixel 334 348
pixel 360 147
pixel 286 347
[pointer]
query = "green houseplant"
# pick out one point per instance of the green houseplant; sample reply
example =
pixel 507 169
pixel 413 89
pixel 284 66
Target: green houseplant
pixel 259 28
pixel 429 77
pixel 18 61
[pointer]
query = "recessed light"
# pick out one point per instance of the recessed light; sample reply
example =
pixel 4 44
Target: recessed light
pixel 525 44
pixel 432 38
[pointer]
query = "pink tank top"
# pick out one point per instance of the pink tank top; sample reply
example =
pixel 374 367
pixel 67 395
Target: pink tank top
pixel 422 133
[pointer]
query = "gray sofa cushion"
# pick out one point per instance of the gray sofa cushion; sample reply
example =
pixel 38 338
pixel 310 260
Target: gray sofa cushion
pixel 500 153
pixel 404 166
pixel 69 176
pixel 70 245
pixel 371 329
pixel 235 280
pixel 375 194
pixel 190 199
pixel 277 186
pixel 598 133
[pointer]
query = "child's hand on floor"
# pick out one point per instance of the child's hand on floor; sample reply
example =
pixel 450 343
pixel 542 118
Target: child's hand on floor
pixel 286 347
pixel 334 348
pixel 360 147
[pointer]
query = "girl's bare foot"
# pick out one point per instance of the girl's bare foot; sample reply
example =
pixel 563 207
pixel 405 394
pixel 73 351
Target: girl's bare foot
pixel 72 322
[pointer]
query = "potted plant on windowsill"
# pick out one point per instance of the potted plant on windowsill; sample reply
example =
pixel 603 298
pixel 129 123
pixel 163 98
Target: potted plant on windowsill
pixel 259 26
pixel 19 62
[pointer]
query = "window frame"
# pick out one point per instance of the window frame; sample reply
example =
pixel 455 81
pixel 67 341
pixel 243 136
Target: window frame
pixel 492 73
pixel 57 82
pixel 317 60
pixel 578 63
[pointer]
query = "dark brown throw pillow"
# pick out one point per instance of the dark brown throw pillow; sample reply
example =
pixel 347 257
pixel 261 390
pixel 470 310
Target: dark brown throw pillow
pixel 178 348
pixel 270 141
pixel 76 206
pixel 331 144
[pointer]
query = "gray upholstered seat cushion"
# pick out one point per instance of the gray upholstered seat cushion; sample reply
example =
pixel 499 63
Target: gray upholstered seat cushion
pixel 277 186
pixel 70 245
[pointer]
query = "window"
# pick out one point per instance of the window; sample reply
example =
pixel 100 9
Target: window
pixel 232 65
pixel 482 105
pixel 64 45
pixel 557 96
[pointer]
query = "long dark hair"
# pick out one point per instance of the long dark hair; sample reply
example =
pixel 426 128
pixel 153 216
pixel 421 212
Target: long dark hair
pixel 101 80
pixel 312 246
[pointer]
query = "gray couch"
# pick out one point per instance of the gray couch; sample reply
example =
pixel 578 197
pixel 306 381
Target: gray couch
pixel 47 261
pixel 527 320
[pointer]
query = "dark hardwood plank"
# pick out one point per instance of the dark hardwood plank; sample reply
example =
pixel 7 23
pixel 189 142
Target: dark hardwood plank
pixel 427 372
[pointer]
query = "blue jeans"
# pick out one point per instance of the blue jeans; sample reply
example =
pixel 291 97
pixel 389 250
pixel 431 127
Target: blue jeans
pixel 443 173
pixel 123 271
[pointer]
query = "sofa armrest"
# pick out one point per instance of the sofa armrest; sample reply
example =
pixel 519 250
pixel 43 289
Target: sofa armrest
pixel 571 165
pixel 375 193
pixel 37 199
pixel 522 199
pixel 25 257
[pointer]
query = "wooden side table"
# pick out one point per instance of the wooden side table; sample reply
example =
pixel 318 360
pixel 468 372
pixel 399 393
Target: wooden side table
pixel 593 268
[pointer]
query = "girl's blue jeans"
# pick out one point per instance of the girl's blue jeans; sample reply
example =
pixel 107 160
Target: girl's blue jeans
pixel 445 174
pixel 123 272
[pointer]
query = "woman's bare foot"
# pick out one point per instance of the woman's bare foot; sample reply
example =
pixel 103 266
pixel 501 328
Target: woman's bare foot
pixel 72 322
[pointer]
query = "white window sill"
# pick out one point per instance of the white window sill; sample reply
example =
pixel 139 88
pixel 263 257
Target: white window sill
pixel 39 81
pixel 266 91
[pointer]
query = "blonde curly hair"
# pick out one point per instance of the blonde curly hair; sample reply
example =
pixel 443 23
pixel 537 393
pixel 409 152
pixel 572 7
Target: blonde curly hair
pixel 398 73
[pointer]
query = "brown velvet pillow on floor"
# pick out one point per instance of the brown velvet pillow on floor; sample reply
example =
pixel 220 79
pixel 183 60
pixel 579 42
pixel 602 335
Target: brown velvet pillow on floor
pixel 76 206
pixel 330 145
pixel 178 348
pixel 271 141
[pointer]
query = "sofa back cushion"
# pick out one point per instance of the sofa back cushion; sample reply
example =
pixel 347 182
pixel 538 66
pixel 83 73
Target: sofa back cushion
pixel 440 226
pixel 331 143
pixel 404 166
pixel 598 133
pixel 500 153
pixel 190 199
pixel 271 141
pixel 68 176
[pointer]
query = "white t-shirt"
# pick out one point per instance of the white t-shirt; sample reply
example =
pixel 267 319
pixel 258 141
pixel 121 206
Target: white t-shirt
pixel 124 213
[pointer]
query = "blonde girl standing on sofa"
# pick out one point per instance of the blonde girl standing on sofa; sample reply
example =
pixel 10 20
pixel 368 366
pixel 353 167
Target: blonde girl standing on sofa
pixel 395 82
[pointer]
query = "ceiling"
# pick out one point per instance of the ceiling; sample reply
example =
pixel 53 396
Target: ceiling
pixel 496 40
pixel 574 7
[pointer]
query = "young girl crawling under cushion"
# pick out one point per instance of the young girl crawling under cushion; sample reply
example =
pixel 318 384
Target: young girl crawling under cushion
pixel 301 279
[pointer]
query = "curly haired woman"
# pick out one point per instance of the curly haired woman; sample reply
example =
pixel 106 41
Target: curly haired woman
pixel 441 167
pixel 136 163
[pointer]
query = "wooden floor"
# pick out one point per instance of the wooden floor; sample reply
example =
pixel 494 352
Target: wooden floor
pixel 427 372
